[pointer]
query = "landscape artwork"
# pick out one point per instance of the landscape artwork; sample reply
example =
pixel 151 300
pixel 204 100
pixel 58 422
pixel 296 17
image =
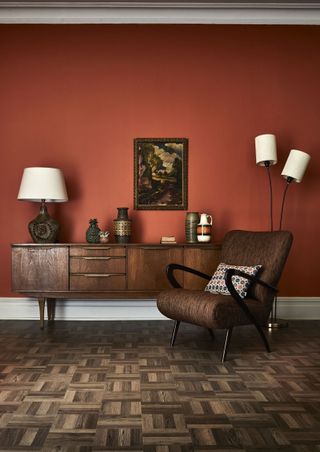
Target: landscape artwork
pixel 160 173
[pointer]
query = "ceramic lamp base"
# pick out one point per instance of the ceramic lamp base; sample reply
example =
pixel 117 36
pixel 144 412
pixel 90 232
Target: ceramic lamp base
pixel 44 229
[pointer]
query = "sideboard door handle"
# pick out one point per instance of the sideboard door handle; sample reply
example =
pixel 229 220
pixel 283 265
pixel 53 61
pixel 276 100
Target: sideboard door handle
pixel 155 247
pixel 96 258
pixel 96 247
pixel 98 275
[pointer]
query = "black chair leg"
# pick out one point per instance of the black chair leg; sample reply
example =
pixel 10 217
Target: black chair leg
pixel 211 333
pixel 174 332
pixel 263 337
pixel 226 344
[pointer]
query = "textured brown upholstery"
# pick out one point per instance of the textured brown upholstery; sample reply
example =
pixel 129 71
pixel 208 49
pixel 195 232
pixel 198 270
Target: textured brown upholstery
pixel 206 309
pixel 269 249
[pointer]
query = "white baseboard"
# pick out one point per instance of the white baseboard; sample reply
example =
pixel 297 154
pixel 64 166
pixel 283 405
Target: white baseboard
pixel 298 308
pixel 27 309
pixel 291 308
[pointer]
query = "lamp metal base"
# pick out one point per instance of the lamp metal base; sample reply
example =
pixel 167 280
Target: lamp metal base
pixel 279 323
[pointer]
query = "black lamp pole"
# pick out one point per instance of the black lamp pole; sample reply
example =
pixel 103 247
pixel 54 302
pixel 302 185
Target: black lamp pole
pixel 289 180
pixel 274 322
pixel 267 166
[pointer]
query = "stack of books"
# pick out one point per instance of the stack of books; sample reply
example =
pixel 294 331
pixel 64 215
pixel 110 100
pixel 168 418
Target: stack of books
pixel 169 240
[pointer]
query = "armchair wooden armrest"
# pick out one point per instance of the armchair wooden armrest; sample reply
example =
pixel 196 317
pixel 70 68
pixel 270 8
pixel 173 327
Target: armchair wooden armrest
pixel 171 267
pixel 236 297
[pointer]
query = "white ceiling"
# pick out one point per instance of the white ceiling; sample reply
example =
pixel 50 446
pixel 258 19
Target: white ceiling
pixel 158 12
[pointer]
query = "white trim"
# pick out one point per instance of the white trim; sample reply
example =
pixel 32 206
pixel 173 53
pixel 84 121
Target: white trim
pixel 27 309
pixel 299 308
pixel 159 13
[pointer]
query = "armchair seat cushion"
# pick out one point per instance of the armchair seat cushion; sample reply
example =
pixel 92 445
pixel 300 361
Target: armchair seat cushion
pixel 206 309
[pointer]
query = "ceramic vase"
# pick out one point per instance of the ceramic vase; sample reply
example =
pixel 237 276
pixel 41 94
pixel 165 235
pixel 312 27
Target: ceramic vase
pixel 93 231
pixel 191 223
pixel 204 228
pixel 122 226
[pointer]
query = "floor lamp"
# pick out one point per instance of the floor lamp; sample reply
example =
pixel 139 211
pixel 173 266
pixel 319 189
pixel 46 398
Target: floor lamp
pixel 293 171
pixel 266 155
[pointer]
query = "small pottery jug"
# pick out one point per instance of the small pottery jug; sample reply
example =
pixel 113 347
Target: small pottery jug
pixel 93 231
pixel 204 228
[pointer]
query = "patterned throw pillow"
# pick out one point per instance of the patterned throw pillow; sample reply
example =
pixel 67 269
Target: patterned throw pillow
pixel 217 284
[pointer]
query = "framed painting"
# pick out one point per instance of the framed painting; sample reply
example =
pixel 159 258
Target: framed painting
pixel 161 173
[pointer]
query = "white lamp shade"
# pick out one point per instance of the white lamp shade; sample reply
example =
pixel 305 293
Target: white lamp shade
pixel 46 184
pixel 266 149
pixel 296 165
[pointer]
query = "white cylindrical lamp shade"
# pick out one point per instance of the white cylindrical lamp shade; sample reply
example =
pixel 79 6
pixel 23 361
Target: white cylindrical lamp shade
pixel 41 183
pixel 296 165
pixel 266 149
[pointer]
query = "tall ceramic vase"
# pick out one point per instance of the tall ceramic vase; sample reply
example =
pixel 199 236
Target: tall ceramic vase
pixel 192 220
pixel 122 226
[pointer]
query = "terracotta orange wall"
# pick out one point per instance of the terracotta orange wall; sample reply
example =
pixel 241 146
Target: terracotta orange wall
pixel 74 97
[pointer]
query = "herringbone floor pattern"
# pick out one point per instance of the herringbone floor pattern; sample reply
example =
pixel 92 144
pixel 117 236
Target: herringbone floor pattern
pixel 91 386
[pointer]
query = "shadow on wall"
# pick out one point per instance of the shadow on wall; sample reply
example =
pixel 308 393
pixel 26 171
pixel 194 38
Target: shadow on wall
pixel 61 211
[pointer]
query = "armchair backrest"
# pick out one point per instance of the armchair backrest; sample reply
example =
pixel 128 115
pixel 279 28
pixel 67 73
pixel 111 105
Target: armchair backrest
pixel 269 249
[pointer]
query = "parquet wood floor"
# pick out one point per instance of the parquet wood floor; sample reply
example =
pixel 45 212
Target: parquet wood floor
pixel 92 386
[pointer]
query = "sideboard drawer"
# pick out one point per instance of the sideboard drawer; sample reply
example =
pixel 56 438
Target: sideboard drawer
pixel 97 282
pixel 97 264
pixel 97 250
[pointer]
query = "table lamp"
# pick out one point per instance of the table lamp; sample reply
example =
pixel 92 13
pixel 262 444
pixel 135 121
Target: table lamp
pixel 43 185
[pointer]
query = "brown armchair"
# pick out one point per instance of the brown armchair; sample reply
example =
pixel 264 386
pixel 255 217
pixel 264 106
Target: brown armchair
pixel 215 311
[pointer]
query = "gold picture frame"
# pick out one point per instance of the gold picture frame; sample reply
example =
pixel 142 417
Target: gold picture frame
pixel 161 173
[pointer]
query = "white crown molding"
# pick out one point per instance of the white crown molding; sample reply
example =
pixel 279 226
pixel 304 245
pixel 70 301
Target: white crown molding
pixel 126 12
pixel 293 308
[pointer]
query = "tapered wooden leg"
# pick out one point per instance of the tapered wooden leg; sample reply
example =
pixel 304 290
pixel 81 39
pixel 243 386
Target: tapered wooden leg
pixel 51 308
pixel 174 332
pixel 226 344
pixel 41 302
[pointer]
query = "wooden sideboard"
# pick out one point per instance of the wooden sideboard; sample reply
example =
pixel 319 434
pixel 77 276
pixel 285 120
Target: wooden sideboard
pixel 91 271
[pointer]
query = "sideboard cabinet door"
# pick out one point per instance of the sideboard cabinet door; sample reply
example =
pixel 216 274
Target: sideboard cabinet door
pixel 147 266
pixel 205 259
pixel 38 268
